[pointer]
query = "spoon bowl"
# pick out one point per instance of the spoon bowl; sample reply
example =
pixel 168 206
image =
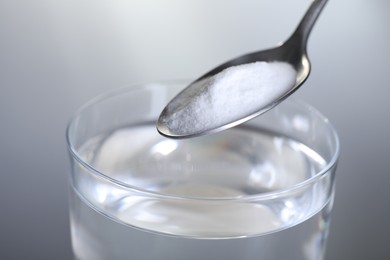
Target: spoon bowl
pixel 292 51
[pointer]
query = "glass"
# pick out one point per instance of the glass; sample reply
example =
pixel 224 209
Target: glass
pixel 263 190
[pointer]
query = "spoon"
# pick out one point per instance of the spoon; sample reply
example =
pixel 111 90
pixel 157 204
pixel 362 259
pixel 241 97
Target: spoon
pixel 292 51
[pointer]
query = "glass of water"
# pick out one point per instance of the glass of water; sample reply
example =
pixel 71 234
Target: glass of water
pixel 262 190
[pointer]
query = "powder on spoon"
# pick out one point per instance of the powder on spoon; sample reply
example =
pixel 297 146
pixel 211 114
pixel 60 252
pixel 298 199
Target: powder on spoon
pixel 234 93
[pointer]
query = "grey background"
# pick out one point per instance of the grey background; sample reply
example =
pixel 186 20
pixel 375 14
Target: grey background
pixel 56 55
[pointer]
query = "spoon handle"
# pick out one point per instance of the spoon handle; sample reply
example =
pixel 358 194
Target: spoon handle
pixel 304 28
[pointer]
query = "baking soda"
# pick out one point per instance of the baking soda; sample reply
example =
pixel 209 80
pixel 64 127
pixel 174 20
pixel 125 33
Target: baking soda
pixel 230 95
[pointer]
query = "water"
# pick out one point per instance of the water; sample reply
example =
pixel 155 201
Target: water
pixel 215 220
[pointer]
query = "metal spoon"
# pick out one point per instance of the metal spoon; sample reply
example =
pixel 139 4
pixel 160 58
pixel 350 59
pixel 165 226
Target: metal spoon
pixel 292 51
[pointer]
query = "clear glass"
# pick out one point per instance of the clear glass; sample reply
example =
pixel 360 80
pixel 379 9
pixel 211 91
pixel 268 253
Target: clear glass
pixel 262 190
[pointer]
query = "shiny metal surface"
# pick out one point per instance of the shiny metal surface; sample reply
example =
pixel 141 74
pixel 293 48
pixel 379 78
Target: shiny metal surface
pixel 292 51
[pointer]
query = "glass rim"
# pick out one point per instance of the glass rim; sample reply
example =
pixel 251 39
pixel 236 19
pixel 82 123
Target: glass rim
pixel 252 197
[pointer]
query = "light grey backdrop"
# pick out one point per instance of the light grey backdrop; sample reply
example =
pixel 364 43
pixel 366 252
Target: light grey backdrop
pixel 55 55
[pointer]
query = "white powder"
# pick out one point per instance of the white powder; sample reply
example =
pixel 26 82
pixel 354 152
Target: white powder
pixel 234 93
